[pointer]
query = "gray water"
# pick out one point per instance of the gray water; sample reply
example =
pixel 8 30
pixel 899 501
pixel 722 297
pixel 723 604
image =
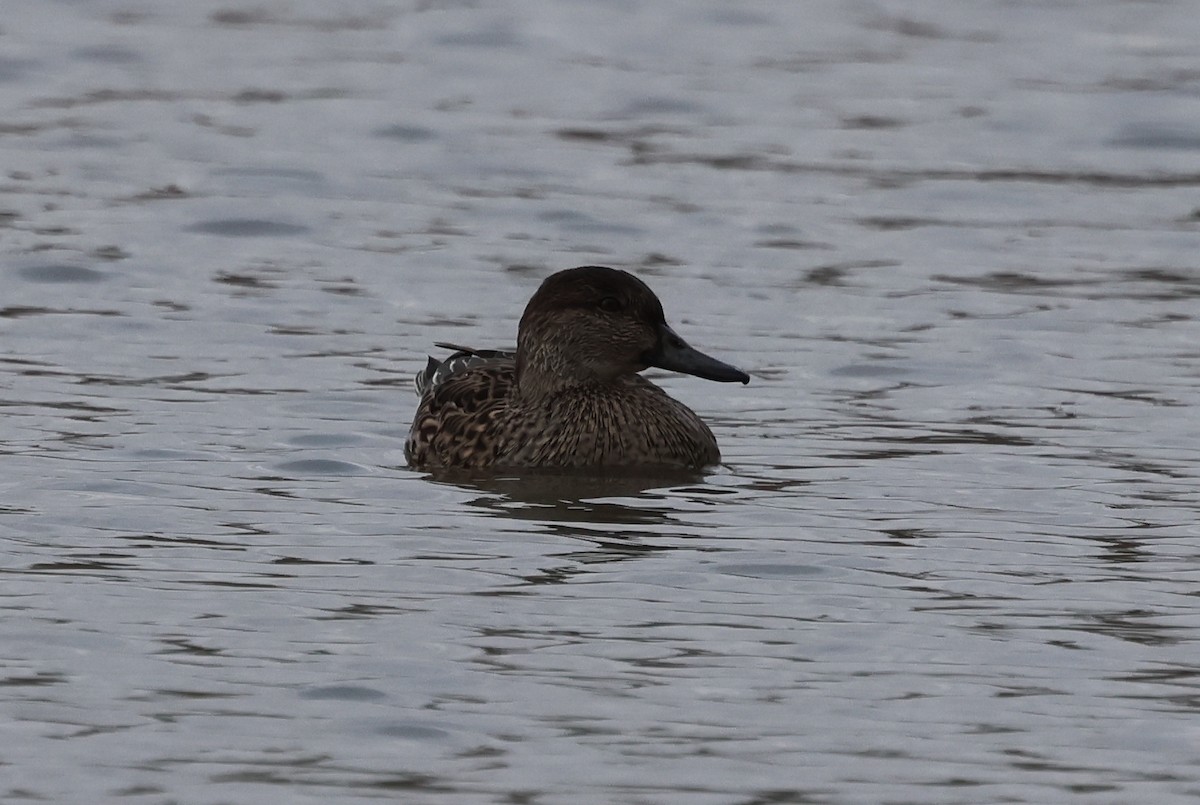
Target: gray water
pixel 951 557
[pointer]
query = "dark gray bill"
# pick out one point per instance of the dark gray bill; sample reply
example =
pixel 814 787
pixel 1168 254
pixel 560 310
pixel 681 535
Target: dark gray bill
pixel 674 353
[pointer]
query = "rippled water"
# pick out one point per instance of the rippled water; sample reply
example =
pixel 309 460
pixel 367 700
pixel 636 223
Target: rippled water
pixel 952 556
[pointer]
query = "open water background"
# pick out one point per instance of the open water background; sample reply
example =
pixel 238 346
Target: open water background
pixel 952 557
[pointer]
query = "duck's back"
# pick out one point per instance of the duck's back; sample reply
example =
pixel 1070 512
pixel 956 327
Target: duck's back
pixel 456 424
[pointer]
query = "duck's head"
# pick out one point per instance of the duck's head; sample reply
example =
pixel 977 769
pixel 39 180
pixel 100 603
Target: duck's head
pixel 593 324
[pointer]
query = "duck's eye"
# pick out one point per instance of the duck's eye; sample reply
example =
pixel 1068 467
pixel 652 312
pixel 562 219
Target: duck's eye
pixel 610 304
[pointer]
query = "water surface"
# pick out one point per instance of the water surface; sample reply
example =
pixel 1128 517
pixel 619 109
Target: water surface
pixel 951 556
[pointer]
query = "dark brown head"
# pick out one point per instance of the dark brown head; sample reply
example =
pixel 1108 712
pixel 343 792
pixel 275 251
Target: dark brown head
pixel 591 325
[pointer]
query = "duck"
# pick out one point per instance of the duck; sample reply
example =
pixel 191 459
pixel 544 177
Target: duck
pixel 570 395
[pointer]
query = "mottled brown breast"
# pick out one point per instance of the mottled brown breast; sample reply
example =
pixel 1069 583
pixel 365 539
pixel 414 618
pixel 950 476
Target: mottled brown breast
pixel 632 423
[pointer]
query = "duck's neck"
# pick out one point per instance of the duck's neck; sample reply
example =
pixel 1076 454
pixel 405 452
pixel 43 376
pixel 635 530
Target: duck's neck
pixel 537 381
pixel 546 373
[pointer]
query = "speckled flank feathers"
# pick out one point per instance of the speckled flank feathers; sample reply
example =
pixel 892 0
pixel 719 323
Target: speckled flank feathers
pixel 570 395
